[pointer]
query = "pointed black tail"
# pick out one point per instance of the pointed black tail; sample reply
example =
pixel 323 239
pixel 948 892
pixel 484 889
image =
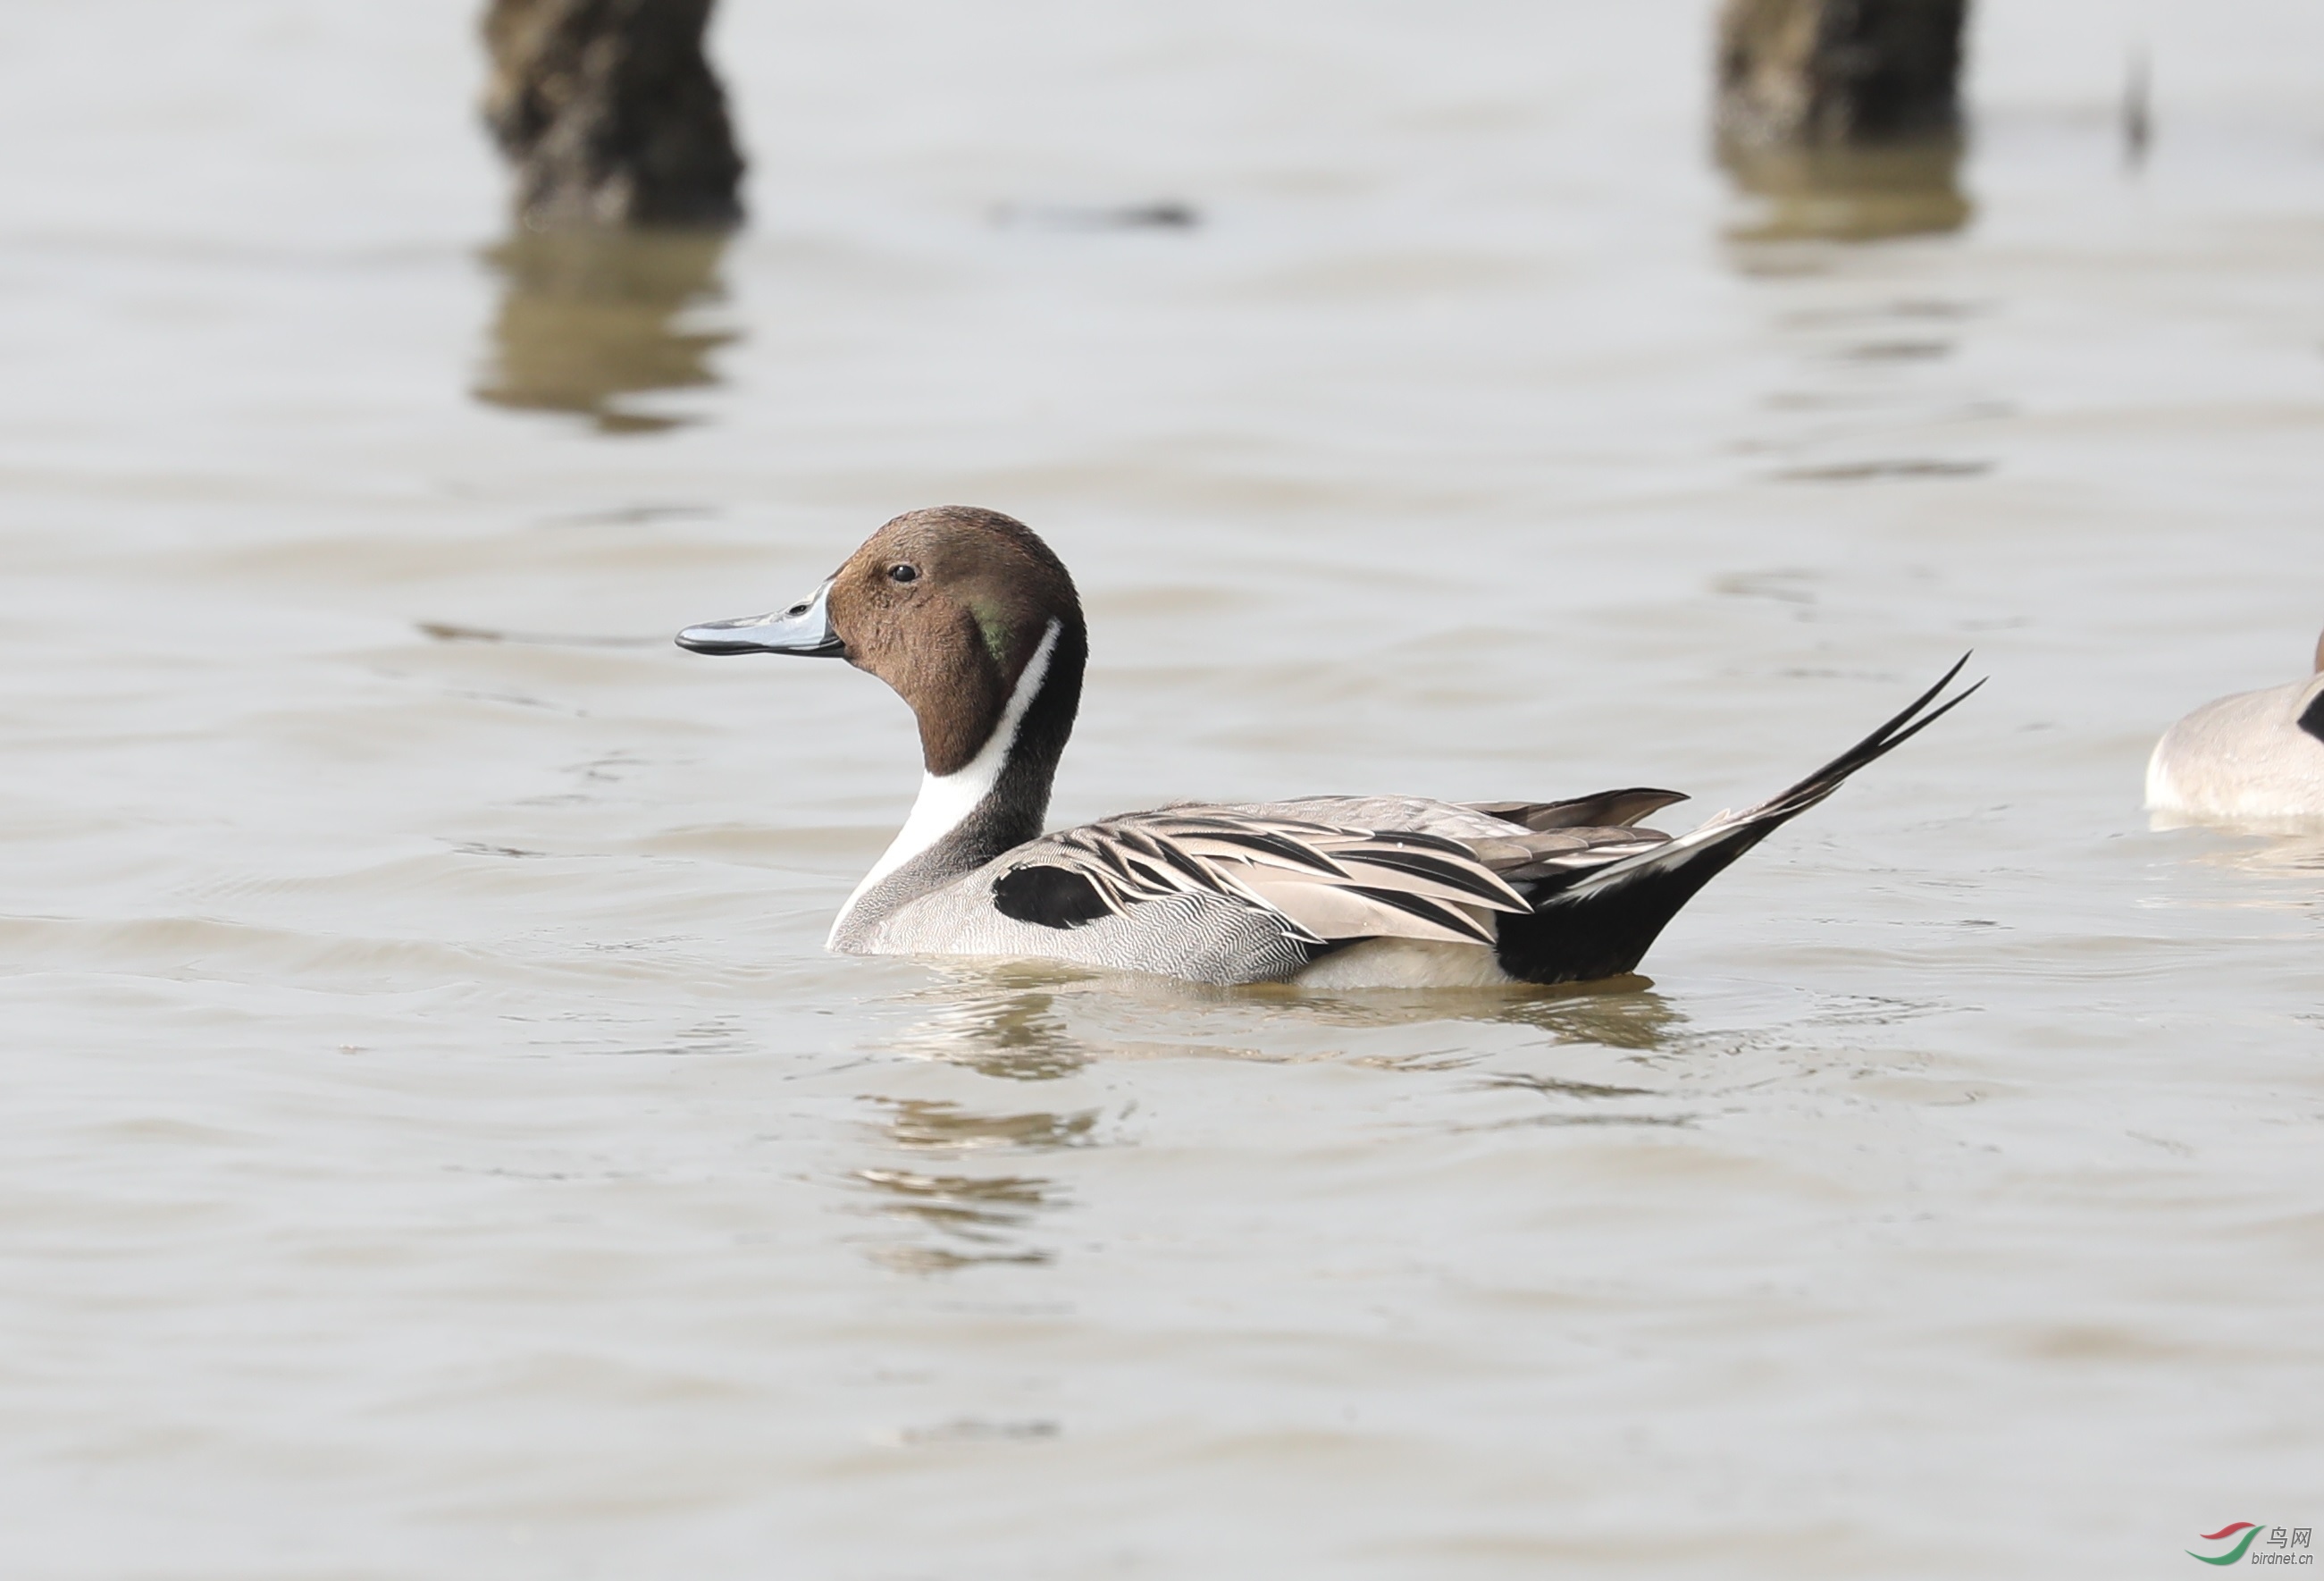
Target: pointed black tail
pixel 1601 923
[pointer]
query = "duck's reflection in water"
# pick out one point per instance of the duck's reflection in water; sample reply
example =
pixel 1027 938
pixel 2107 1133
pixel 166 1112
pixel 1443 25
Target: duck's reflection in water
pixel 920 1125
pixel 1624 1012
pixel 1028 1023
pixel 1615 1013
pixel 2264 847
pixel 1031 1023
pixel 979 1218
pixel 1608 1054
pixel 589 318
pixel 1035 1022
pixel 999 1030
pixel 1848 194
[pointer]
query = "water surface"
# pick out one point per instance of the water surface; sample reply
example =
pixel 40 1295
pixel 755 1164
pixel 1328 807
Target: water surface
pixel 440 1147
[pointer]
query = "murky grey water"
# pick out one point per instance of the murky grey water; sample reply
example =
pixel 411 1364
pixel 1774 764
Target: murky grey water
pixel 437 1146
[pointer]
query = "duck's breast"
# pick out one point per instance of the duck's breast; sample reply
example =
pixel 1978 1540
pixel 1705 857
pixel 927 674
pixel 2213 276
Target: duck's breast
pixel 1200 938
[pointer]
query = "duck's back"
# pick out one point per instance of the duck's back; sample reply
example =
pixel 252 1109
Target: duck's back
pixel 1416 815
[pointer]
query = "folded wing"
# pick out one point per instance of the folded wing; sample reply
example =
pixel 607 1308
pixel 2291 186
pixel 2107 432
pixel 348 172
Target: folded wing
pixel 1325 883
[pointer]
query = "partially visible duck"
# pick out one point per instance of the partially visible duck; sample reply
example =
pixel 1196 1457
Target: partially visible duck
pixel 976 623
pixel 2256 755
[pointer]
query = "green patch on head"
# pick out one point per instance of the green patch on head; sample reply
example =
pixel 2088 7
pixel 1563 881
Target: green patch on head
pixel 996 634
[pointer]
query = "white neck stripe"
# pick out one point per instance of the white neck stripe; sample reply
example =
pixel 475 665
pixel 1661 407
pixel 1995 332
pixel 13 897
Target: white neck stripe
pixel 946 801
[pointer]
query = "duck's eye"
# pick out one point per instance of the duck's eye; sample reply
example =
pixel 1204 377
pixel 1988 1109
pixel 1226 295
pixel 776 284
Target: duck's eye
pixel 903 573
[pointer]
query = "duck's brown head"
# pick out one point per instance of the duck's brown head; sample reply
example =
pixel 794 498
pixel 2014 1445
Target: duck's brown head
pixel 952 606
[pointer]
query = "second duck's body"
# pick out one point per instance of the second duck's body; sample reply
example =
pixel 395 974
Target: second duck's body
pixel 976 624
pixel 2257 756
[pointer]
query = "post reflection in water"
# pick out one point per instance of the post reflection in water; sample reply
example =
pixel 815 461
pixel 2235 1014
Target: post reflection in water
pixel 1863 194
pixel 589 317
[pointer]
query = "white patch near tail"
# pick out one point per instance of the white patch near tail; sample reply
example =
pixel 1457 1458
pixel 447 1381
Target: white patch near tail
pixel 1405 963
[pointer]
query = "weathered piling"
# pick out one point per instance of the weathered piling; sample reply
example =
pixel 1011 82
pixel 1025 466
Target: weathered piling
pixel 1843 115
pixel 1836 73
pixel 611 113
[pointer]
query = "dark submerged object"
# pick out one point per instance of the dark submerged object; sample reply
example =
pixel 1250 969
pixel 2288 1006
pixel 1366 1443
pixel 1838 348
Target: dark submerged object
pixel 1839 72
pixel 611 113
pixel 1843 115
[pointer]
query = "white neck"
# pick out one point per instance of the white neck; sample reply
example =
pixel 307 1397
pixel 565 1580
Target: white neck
pixel 946 801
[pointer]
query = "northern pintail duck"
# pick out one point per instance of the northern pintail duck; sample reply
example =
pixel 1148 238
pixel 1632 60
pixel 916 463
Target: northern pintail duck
pixel 976 623
pixel 2257 755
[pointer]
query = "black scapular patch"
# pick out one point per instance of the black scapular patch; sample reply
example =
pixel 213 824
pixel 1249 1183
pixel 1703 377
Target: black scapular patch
pixel 1048 897
pixel 2313 721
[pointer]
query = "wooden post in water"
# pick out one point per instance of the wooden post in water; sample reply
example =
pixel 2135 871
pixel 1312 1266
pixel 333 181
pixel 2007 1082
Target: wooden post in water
pixel 1844 115
pixel 611 113
pixel 1836 73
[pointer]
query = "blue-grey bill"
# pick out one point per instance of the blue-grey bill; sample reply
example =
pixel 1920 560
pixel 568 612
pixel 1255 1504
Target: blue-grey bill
pixel 804 629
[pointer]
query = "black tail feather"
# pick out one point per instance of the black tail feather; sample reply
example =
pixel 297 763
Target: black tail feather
pixel 1908 722
pixel 1602 922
